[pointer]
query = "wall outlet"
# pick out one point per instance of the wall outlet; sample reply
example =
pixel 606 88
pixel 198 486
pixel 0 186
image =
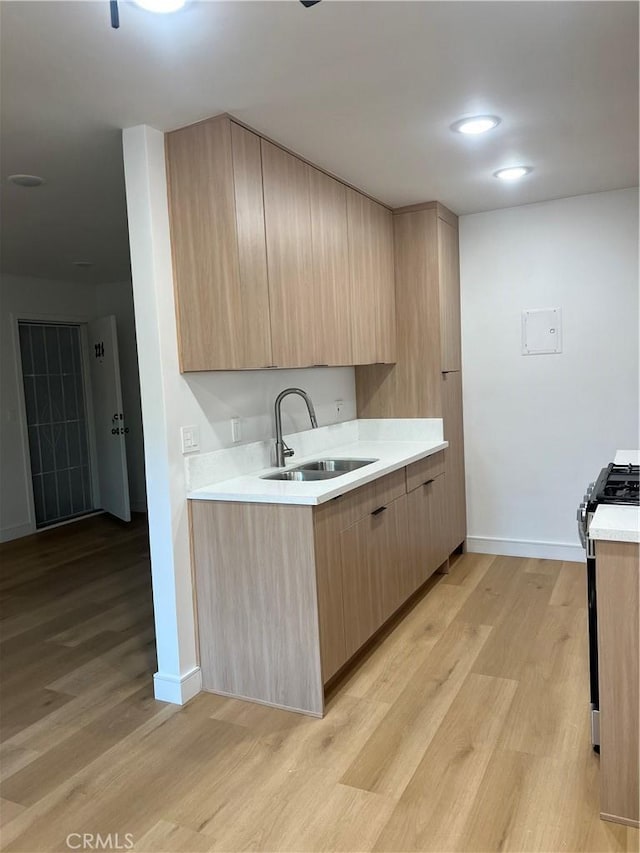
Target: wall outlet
pixel 236 429
pixel 339 407
pixel 190 438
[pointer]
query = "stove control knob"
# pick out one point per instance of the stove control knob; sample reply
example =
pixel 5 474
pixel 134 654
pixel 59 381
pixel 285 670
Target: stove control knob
pixel 582 524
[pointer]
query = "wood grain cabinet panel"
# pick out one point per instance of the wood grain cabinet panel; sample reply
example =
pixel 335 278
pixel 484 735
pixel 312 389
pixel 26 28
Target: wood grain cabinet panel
pixel 456 517
pixel 254 569
pixel 426 381
pixel 372 280
pixel 619 659
pixel 426 519
pixel 425 469
pixel 287 208
pixel 331 324
pixel 449 278
pixel 333 650
pixel 410 387
pixel 374 571
pixel 218 247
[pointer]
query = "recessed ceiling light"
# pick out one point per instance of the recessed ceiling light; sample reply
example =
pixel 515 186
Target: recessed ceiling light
pixel 160 6
pixel 26 180
pixel 475 124
pixel 513 173
pixel 83 264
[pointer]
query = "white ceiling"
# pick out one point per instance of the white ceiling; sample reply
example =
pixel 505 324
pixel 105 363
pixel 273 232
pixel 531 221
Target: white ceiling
pixel 365 89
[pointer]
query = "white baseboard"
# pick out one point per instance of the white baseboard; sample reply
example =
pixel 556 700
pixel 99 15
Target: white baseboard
pixel 525 548
pixel 177 689
pixel 17 532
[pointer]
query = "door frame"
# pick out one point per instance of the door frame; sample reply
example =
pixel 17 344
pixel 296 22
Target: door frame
pixel 68 320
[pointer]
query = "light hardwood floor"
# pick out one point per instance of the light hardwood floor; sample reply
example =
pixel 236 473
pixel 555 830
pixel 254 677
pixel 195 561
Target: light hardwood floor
pixel 465 728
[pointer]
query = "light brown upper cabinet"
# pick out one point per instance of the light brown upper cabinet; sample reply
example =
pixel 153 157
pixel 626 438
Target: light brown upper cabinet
pixel 449 296
pixel 214 177
pixel 331 326
pixel 287 211
pixel 276 264
pixel 373 308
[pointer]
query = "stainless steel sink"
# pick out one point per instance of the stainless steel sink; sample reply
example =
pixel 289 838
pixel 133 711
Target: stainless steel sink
pixel 302 476
pixel 319 469
pixel 342 466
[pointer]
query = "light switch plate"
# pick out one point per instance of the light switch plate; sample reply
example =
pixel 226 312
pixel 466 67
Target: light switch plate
pixel 190 438
pixel 541 331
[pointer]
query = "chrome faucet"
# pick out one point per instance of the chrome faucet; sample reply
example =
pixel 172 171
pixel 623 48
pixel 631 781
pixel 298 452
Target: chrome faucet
pixel 282 451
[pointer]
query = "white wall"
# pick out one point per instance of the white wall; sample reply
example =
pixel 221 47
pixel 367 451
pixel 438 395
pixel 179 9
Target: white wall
pixel 208 400
pixel 539 428
pixel 22 297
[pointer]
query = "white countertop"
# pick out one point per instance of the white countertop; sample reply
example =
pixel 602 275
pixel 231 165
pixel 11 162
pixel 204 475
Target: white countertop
pixel 615 523
pixel 627 457
pixel 391 455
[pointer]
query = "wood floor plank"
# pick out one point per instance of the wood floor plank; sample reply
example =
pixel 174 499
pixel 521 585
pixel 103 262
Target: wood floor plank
pixel 25 707
pixel 433 808
pixel 14 757
pixel 383 676
pixel 488 602
pixel 505 654
pixel 68 756
pixel 171 838
pixel 9 811
pixel 390 756
pixel 549 714
pixel 569 590
pixel 310 814
pixel 468 570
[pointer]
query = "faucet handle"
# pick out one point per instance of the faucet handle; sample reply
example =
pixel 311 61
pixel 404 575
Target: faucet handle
pixel 287 451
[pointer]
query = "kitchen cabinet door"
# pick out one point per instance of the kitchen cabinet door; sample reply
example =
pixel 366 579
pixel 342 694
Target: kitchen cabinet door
pixel 456 511
pixel 372 280
pixel 331 327
pixel 426 512
pixel 374 566
pixel 287 210
pixel 219 255
pixel 449 278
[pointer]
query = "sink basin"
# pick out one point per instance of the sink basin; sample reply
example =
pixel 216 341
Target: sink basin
pixel 294 475
pixel 319 469
pixel 340 465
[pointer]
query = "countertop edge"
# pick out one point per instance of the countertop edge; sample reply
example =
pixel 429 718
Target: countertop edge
pixel 211 493
pixel 615 524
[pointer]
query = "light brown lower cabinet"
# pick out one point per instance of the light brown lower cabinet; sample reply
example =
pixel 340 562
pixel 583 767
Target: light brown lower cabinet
pixel 618 597
pixel 286 595
pixel 427 516
pixel 455 500
pixel 375 571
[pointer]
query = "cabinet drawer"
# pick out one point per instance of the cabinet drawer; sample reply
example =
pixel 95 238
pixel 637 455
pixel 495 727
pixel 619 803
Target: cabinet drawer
pixel 350 508
pixel 426 469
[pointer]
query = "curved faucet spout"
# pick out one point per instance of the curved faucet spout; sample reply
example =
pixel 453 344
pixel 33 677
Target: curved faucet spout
pixel 282 451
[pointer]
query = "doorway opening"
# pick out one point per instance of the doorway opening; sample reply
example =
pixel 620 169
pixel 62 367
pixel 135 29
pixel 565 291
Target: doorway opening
pixel 57 421
pixel 74 418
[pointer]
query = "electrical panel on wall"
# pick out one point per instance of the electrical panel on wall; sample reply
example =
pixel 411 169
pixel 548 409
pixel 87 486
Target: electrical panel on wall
pixel 541 331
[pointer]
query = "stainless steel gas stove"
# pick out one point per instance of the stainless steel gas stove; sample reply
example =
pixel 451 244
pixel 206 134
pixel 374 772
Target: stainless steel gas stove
pixel 616 484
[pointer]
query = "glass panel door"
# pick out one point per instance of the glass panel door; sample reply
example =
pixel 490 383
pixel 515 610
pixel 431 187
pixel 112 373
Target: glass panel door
pixel 56 420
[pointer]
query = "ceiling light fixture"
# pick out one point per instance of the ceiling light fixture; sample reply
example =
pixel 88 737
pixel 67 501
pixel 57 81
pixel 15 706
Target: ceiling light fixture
pixel 475 124
pixel 26 180
pixel 161 7
pixel 513 173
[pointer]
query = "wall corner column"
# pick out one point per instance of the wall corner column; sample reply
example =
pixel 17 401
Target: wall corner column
pixel 178 677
